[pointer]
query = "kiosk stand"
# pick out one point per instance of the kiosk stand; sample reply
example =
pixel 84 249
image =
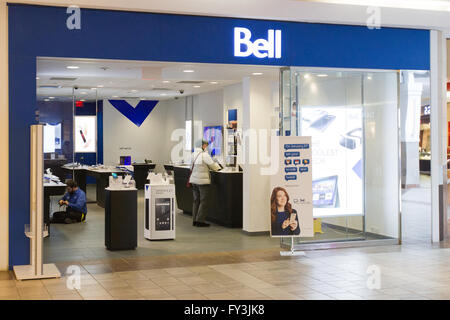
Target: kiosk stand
pixel 159 209
pixel 36 230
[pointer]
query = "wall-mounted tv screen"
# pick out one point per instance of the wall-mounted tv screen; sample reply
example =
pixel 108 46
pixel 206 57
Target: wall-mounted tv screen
pixel 214 135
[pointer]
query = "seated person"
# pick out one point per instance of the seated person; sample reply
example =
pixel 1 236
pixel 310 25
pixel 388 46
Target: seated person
pixel 75 200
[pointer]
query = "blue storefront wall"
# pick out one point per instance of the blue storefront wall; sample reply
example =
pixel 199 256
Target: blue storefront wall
pixel 37 31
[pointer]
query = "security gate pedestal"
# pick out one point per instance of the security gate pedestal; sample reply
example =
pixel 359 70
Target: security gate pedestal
pixel 36 230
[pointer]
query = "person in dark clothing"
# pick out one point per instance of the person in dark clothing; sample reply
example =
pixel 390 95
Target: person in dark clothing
pixel 284 219
pixel 75 201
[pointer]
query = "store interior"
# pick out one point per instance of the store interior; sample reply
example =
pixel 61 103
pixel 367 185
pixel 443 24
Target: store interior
pixel 183 101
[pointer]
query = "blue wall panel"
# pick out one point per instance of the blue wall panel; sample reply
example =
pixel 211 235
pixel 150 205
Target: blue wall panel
pixel 41 31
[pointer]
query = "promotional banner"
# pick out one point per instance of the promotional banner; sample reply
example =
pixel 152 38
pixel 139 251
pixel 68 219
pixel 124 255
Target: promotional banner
pixel 337 140
pixel 85 133
pixel 291 199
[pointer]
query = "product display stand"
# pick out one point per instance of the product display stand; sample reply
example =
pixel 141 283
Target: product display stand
pixel 159 209
pixel 293 252
pixel 36 230
pixel 121 218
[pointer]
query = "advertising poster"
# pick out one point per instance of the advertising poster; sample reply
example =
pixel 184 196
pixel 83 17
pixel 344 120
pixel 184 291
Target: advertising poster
pixel 85 133
pixel 291 203
pixel 337 141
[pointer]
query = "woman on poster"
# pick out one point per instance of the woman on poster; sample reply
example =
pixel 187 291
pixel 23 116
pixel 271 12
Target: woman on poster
pixel 284 219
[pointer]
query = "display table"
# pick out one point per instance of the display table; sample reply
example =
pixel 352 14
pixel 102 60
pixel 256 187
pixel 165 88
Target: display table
pixel 56 166
pixel 225 196
pixel 121 219
pixel 78 175
pixel 51 189
pixel 102 181
pixel 141 171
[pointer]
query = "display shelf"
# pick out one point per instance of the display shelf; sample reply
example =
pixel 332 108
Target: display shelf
pixel 30 234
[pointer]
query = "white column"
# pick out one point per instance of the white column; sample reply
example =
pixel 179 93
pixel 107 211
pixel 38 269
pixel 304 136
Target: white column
pixel 259 98
pixel 438 130
pixel 4 136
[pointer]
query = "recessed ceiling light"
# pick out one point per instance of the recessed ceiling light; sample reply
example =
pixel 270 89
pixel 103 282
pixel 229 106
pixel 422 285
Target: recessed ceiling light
pixel 322 75
pixel 115 96
pixel 37 78
pixel 46 99
pixel 166 81
pixel 100 86
pixel 306 76
pixel 51 97
pixel 369 77
pixel 214 82
pixel 72 67
pixel 163 94
pixel 197 86
pixel 93 88
pixel 134 90
pixel 188 70
pixel 257 73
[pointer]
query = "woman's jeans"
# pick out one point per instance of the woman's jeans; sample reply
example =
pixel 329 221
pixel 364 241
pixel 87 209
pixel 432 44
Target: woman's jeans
pixel 200 205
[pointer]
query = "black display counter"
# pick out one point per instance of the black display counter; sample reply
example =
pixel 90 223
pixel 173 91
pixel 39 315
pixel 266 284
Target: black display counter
pixel 101 176
pixel 225 197
pixel 78 175
pixel 121 219
pixel 56 166
pixel 424 165
pixel 102 182
pixel 141 172
pixel 51 190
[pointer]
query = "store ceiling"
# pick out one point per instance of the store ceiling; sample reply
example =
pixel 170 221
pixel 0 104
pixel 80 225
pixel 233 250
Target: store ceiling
pixel 57 78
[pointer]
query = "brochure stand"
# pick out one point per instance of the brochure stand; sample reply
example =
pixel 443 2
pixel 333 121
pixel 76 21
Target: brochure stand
pixel 36 230
pixel 159 209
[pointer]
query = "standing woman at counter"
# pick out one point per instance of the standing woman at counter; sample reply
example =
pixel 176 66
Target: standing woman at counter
pixel 201 179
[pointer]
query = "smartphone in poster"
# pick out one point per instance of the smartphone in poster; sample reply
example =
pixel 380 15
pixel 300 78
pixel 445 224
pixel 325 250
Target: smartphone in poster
pixel 85 133
pixel 291 203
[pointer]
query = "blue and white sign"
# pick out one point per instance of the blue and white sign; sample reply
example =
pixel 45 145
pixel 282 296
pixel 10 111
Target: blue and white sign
pixel 291 199
pixel 260 48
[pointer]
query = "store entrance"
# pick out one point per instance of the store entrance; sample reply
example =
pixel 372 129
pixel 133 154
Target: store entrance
pixel 106 118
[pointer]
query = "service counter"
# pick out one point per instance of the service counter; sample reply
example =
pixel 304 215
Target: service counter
pixel 225 197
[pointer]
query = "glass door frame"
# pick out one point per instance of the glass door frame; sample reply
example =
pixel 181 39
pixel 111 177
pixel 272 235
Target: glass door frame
pixel 287 92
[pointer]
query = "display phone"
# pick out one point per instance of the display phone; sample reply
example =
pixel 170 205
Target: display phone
pixel 82 135
pixel 162 214
pixel 293 216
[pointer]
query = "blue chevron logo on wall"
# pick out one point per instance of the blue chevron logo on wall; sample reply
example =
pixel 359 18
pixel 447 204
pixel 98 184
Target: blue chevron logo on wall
pixel 137 114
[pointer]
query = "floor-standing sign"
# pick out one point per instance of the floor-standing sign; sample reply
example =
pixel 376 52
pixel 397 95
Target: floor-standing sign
pixel 159 209
pixel 291 206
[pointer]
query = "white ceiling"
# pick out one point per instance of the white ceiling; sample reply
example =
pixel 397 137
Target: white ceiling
pixel 136 79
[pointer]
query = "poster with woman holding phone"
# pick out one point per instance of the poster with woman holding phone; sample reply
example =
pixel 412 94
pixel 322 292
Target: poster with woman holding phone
pixel 291 205
pixel 284 219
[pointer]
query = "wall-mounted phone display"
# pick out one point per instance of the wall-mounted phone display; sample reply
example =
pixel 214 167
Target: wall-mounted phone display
pixel 85 132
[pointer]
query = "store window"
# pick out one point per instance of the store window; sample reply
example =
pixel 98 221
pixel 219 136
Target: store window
pixel 352 117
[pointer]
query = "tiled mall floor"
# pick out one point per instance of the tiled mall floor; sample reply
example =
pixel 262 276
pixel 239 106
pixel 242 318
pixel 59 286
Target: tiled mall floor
pixel 255 270
pixel 407 272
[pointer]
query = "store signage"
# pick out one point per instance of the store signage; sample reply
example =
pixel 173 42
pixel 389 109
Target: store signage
pixel 291 198
pixel 136 114
pixel 260 48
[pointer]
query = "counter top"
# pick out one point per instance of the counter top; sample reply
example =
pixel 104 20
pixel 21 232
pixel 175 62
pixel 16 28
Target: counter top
pixel 224 171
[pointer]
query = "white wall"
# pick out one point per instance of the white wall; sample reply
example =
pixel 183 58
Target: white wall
pixel 144 142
